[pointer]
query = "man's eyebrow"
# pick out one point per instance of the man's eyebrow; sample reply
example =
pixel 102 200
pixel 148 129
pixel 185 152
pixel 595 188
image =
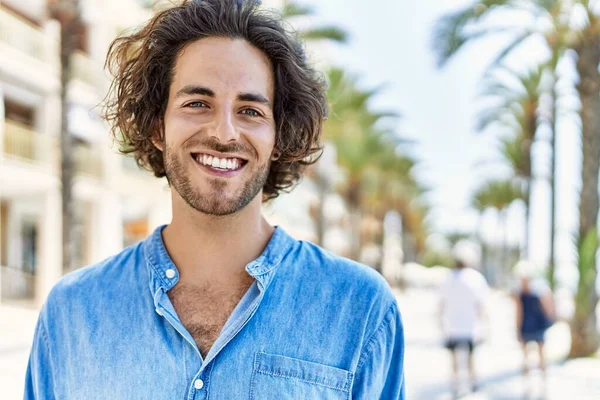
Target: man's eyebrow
pixel 190 90
pixel 255 98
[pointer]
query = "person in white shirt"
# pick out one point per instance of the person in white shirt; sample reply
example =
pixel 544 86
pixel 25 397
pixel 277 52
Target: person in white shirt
pixel 462 311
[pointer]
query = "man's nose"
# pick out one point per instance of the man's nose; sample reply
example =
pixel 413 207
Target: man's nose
pixel 224 127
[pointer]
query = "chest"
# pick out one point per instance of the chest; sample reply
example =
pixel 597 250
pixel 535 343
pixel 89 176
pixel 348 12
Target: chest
pixel 204 309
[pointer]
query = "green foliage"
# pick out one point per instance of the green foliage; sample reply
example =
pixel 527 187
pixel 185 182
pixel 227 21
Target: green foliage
pixel 292 10
pixel 325 33
pixel 587 248
pixel 433 258
pixel 499 194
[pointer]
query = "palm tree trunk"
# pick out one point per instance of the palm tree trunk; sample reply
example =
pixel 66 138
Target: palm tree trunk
pixel 554 128
pixel 585 340
pixel 380 240
pixel 532 125
pixel 353 198
pixel 484 250
pixel 505 267
pixel 527 239
pixel 319 216
pixel 67 12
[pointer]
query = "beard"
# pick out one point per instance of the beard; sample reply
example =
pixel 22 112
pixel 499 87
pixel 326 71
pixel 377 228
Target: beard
pixel 212 198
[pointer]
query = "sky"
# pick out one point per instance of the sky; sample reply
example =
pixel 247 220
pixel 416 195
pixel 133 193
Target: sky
pixel 390 43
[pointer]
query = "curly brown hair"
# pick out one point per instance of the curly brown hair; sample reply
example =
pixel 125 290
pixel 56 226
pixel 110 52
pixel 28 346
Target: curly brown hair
pixel 142 64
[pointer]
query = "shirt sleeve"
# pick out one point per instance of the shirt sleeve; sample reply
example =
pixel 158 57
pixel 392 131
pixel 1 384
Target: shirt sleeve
pixel 380 370
pixel 39 382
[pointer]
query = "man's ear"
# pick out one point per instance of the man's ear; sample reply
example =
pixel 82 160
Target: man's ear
pixel 158 137
pixel 158 143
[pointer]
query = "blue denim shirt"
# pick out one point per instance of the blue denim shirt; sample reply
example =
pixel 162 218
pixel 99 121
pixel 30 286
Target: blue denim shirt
pixel 311 326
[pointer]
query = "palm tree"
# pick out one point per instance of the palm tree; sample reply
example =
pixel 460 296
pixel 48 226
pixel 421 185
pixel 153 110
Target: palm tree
pixel 500 195
pixel 291 10
pixel 68 14
pixel 481 202
pixel 455 30
pixel 516 106
pixel 352 129
pixel 394 188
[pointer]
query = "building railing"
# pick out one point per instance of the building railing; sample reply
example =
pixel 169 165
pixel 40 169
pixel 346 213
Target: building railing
pixel 16 284
pixel 87 161
pixel 22 141
pixel 86 70
pixel 27 37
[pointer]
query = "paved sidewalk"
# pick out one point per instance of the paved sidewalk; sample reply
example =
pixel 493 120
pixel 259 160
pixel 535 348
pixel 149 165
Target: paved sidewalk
pixel 17 324
pixel 498 359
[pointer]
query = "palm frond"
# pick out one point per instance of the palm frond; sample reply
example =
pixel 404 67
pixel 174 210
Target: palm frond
pixel 331 33
pixel 292 9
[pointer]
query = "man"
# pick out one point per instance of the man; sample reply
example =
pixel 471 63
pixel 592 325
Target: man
pixel 217 96
pixel 462 308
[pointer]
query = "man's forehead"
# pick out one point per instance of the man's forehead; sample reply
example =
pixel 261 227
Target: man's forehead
pixel 223 64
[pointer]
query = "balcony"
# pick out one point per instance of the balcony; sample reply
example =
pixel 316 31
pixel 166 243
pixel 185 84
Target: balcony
pixel 87 161
pixel 27 37
pixel 16 284
pixel 23 142
pixel 87 71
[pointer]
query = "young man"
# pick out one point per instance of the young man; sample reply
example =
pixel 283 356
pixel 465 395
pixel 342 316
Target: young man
pixel 462 309
pixel 217 96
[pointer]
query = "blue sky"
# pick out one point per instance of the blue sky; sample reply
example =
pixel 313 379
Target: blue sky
pixel 391 44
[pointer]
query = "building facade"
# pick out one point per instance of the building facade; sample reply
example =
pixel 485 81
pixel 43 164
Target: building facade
pixel 115 203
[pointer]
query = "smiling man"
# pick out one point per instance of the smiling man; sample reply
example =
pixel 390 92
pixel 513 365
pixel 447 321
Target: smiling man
pixel 217 96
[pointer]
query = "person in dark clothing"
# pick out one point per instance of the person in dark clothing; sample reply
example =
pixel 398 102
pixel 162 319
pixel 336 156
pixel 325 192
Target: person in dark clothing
pixel 534 315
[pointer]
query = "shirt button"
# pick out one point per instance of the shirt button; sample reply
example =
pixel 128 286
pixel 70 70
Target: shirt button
pixel 198 384
pixel 170 273
pixel 159 312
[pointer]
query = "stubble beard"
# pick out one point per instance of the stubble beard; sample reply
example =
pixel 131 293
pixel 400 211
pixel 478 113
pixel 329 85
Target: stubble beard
pixel 211 200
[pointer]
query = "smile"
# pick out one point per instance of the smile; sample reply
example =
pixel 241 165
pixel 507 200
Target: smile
pixel 221 166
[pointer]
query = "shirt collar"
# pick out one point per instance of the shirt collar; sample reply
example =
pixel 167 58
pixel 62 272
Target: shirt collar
pixel 164 274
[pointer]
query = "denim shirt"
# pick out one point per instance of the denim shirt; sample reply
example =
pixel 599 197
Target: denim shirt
pixel 311 326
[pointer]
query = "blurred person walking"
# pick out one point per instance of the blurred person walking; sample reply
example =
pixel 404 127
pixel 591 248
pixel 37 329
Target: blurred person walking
pixel 462 312
pixel 535 313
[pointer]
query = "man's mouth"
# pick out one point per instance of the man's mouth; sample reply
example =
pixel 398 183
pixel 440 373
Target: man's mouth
pixel 219 164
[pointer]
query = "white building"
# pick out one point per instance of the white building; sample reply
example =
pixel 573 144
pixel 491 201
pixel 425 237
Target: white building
pixel 116 203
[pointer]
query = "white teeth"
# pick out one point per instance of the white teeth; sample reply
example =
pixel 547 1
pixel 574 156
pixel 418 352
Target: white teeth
pixel 224 163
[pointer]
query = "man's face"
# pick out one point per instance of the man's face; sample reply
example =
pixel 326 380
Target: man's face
pixel 219 128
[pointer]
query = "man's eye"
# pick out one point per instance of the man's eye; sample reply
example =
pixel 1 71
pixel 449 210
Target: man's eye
pixel 250 112
pixel 196 104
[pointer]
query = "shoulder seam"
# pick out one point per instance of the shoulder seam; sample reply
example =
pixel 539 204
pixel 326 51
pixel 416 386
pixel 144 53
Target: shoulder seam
pixel 367 348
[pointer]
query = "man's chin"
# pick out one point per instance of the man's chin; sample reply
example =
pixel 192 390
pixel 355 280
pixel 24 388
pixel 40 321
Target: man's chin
pixel 217 204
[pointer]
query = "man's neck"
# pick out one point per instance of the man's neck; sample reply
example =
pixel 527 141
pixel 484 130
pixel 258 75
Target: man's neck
pixel 215 248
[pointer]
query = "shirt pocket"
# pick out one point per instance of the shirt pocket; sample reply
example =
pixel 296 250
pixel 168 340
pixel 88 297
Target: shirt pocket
pixel 281 378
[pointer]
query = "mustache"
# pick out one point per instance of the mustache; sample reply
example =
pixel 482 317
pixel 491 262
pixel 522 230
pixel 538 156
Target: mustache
pixel 214 144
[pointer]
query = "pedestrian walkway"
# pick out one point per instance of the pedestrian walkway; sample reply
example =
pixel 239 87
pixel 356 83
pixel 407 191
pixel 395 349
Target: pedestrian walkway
pixel 498 358
pixel 17 324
